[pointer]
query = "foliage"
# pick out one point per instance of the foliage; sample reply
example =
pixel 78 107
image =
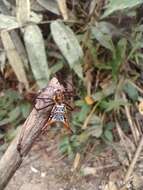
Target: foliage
pixel 14 110
pixel 117 5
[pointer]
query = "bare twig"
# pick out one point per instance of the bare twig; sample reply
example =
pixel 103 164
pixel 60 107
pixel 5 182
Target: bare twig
pixel 32 128
pixel 89 116
pixel 134 160
pixel 132 127
pixel 63 8
pixel 124 140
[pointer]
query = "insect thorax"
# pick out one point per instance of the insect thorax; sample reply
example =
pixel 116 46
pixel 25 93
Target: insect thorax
pixel 60 108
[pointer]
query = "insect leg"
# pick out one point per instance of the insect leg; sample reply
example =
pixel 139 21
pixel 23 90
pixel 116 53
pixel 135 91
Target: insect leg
pixel 68 106
pixel 38 109
pixel 49 122
pixel 66 124
pixel 40 98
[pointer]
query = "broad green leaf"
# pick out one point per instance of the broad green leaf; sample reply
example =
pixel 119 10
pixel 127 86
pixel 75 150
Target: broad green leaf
pixel 14 58
pixel 112 104
pixel 55 68
pixel 122 45
pixel 8 22
pixel 108 135
pixel 118 57
pixel 109 126
pixel 109 90
pixel 68 45
pixel 102 34
pixel 83 137
pixel 116 5
pixel 131 91
pixel 37 55
pixel 95 126
pixel 108 29
pixel 83 113
pixel 35 18
pixel 50 5
pixel 79 103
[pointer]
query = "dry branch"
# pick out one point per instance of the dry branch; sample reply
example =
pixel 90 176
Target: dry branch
pixel 11 160
pixel 134 160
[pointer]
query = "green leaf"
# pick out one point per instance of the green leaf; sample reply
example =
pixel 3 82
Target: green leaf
pixel 51 6
pixel 108 90
pixel 109 126
pixel 70 152
pixel 95 126
pixel 10 134
pixel 25 109
pixel 131 91
pixel 8 22
pixel 102 35
pixel 122 45
pixel 12 116
pixel 3 114
pixel 83 137
pixel 64 143
pixel 55 68
pixel 12 95
pixel 69 45
pixel 37 55
pixel 108 135
pixel 75 141
pixel 79 103
pixel 83 113
pixel 116 5
pixel 112 104
pixel 118 57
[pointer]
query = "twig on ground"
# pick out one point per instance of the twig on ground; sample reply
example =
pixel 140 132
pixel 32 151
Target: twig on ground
pixel 89 117
pixel 134 160
pixel 124 140
pixel 132 127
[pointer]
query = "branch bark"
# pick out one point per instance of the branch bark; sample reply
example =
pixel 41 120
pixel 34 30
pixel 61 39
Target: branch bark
pixel 31 129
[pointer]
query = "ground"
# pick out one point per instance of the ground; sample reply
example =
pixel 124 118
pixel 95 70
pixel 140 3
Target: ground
pixel 45 168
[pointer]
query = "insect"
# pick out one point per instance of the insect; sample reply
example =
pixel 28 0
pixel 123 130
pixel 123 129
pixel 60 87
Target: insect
pixel 53 97
pixel 59 110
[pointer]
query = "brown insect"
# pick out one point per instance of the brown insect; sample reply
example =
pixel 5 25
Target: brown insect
pixel 59 110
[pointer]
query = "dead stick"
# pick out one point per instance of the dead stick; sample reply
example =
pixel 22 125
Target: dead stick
pixel 11 160
pixel 134 160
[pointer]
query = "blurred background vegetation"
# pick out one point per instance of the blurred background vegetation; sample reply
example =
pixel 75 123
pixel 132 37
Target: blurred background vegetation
pixel 96 45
